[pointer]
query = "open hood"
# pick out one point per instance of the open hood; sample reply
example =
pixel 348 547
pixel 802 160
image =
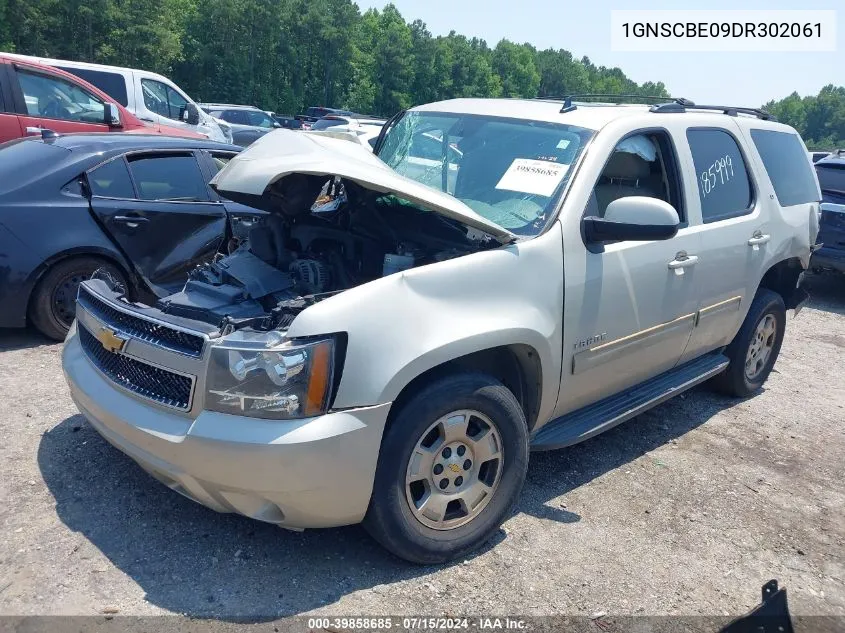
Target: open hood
pixel 285 152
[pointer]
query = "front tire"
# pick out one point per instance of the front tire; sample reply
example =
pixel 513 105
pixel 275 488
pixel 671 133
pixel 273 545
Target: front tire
pixel 756 346
pixel 451 467
pixel 53 304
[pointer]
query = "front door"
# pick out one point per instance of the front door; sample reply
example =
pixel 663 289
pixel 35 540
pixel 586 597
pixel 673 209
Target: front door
pixel 156 208
pixel 629 307
pixel 55 103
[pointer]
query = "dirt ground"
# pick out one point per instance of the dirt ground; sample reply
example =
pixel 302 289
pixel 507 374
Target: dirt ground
pixel 687 509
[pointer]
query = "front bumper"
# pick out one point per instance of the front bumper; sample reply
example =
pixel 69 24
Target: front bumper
pixel 316 472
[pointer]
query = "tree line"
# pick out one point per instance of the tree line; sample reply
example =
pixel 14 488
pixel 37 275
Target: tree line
pixel 284 55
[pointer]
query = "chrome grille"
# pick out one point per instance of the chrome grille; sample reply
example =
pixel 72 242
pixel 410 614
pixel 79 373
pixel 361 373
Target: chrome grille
pixel 141 328
pixel 155 383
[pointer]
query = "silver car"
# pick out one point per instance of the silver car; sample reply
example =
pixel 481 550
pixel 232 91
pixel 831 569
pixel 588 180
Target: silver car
pixel 402 330
pixel 248 123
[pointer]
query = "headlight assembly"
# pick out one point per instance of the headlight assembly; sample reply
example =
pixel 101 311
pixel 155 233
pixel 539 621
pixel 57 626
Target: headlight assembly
pixel 292 379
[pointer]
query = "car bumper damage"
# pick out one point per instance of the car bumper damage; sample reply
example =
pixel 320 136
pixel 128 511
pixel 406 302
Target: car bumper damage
pixel 315 472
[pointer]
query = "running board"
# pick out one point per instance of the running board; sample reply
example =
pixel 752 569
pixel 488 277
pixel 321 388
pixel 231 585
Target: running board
pixel 596 418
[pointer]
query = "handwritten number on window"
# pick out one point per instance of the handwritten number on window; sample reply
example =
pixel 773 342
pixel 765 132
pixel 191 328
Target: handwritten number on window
pixel 719 173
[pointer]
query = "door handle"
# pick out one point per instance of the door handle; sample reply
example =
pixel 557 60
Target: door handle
pixel 33 130
pixel 681 261
pixel 757 239
pixel 132 221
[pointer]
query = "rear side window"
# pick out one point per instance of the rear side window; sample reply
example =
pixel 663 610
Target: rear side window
pixel 111 180
pixel 724 186
pixel 787 165
pixel 168 177
pixel 111 83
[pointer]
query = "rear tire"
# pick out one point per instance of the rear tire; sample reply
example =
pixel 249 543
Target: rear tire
pixel 755 348
pixel 52 307
pixel 480 424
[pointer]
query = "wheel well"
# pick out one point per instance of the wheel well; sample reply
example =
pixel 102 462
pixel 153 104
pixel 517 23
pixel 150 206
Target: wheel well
pixel 517 367
pixel 782 278
pixel 45 268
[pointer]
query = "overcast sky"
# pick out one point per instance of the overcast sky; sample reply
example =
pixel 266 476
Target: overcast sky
pixel 583 27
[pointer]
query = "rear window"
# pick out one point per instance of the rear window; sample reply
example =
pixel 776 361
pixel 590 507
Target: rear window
pixel 788 167
pixel 111 180
pixel 111 83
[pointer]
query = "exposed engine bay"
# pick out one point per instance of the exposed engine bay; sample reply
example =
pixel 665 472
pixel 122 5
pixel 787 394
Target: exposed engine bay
pixel 323 236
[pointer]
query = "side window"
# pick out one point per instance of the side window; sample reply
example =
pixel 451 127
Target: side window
pixel 56 98
pixel 642 164
pixel 168 177
pixel 163 100
pixel 111 180
pixel 113 84
pixel 724 186
pixel 238 117
pixel 155 96
pixel 786 163
pixel 259 119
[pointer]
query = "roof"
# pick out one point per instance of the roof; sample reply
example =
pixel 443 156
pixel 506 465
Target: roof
pixel 116 142
pixel 51 61
pixel 592 116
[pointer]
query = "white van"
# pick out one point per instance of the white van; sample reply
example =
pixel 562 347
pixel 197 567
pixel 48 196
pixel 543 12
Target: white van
pixel 149 96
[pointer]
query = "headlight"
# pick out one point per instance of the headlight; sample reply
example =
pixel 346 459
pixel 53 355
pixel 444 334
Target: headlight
pixel 291 379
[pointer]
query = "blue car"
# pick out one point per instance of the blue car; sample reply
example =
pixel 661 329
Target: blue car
pixel 831 173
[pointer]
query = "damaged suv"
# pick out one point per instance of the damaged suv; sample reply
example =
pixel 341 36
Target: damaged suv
pixel 405 326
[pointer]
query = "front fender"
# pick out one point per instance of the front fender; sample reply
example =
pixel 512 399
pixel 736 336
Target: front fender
pixel 404 324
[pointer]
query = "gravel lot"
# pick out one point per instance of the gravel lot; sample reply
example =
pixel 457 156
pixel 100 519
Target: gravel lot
pixel 688 509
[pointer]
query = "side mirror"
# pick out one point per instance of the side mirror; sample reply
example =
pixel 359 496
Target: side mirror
pixel 633 218
pixel 191 114
pixel 111 115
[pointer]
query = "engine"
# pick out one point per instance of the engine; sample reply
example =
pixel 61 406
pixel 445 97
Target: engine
pixel 306 253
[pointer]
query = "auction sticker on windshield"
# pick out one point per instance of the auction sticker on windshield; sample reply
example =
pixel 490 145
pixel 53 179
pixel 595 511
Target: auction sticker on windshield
pixel 538 177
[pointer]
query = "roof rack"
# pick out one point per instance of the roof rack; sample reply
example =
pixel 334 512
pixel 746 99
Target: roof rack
pixel 729 110
pixel 569 106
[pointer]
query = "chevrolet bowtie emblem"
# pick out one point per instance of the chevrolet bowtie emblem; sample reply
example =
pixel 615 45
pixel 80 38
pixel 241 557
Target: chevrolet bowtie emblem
pixel 110 340
pixel 454 468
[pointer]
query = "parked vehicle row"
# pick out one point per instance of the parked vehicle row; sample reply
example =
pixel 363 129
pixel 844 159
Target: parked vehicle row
pixel 402 327
pixel 151 97
pixel 35 98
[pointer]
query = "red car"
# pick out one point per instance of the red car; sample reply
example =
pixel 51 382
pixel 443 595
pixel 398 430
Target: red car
pixel 35 97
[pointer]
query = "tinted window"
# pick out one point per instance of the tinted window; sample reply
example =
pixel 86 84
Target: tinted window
pixel 111 83
pixel 238 117
pixel 831 178
pixel 787 165
pixel 111 180
pixel 259 119
pixel 168 177
pixel 55 98
pixel 21 160
pixel 163 100
pixel 724 186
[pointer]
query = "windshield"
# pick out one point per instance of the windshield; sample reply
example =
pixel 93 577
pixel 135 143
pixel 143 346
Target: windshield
pixel 508 170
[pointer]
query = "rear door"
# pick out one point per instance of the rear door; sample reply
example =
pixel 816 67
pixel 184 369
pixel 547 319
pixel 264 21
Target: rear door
pixel 157 209
pixel 46 100
pixel 10 127
pixel 735 233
